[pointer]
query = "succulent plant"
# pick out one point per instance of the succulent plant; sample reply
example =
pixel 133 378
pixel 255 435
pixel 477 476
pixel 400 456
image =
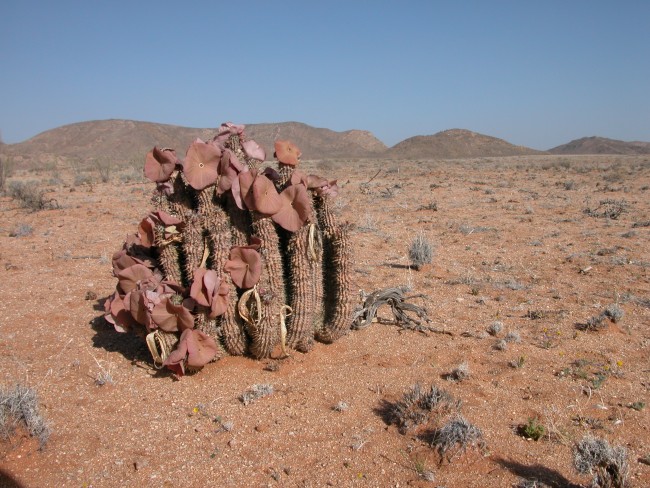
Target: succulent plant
pixel 234 258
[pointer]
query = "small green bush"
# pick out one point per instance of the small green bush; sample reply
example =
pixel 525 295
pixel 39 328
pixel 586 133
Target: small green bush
pixel 532 429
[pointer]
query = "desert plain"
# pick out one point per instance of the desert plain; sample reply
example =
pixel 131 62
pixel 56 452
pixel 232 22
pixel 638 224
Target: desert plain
pixel 543 245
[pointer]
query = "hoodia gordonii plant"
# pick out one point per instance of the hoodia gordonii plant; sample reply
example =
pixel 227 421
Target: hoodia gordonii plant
pixel 235 258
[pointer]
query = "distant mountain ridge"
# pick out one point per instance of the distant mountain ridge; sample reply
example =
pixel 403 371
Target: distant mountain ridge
pixel 125 140
pixel 129 139
pixel 601 145
pixel 456 143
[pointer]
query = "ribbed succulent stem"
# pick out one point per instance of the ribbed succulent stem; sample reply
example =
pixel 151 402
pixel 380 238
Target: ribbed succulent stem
pixel 285 171
pixel 337 285
pixel 303 264
pixel 181 202
pixel 240 220
pixel 217 226
pixel 168 257
pixel 193 245
pixel 266 335
pixel 302 260
pixel 168 253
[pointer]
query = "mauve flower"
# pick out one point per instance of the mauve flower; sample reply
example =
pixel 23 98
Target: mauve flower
pixel 171 317
pixel 201 164
pixel 219 300
pixel 287 153
pixel 244 265
pixel 117 315
pixel 299 178
pixel 253 150
pixel 205 283
pixel 145 232
pixel 296 208
pixel 141 305
pixel 129 278
pixel 194 349
pixel 226 130
pixel 229 168
pixel 159 164
pixel 259 193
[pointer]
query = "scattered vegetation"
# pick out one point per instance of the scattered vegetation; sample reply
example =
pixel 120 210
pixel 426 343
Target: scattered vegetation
pixel 436 417
pixel 612 312
pixel 19 405
pixel 420 252
pixel 608 465
pixel 594 373
pixel 608 209
pixel 638 406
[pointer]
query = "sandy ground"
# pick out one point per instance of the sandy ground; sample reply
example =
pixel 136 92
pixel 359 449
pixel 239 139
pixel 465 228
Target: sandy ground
pixel 512 244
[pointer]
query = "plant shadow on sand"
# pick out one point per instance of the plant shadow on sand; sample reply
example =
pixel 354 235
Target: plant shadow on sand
pixel 127 344
pixel 536 472
pixel 7 481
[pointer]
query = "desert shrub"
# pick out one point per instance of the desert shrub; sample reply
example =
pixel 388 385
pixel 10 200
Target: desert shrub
pixel 419 406
pixel 456 436
pixel 104 168
pixel 30 196
pixel 420 252
pixel 82 179
pixel 20 405
pixel 433 206
pixel 3 174
pixel 608 465
pixel 569 185
pixel 495 328
pixel 7 166
pixel 459 373
pixel 22 230
pixel 612 312
pixel 256 392
pixel 340 407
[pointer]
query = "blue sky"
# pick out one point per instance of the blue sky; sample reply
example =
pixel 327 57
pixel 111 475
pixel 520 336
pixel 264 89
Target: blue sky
pixel 533 73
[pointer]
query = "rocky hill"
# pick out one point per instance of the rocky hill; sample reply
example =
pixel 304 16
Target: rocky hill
pixel 123 140
pixel 601 145
pixel 455 143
